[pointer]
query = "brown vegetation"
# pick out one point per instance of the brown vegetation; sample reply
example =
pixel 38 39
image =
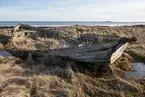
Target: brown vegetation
pixel 39 44
pixel 31 79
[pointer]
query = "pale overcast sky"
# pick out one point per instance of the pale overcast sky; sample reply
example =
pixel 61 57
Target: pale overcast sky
pixel 72 10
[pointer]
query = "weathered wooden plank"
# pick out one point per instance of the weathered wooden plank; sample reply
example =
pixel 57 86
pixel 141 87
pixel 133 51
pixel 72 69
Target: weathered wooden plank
pixel 91 54
pixel 118 52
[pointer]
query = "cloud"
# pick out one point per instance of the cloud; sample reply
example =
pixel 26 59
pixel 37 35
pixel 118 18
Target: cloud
pixel 76 10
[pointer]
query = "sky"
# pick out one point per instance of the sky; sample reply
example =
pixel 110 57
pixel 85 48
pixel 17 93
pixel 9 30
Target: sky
pixel 72 10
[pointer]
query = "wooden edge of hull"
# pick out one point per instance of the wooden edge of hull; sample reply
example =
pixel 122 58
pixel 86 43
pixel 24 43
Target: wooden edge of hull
pixel 118 52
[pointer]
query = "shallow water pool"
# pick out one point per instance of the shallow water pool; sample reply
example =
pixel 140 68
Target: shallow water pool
pixel 5 53
pixel 139 71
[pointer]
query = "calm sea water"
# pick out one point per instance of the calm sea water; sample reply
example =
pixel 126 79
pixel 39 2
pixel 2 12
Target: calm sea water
pixel 68 23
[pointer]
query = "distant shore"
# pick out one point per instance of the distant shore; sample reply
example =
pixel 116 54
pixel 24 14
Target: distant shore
pixel 69 23
pixel 141 25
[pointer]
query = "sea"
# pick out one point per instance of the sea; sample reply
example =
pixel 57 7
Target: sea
pixel 69 23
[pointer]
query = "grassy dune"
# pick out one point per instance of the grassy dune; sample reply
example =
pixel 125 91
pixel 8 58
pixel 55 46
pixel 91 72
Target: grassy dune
pixel 31 79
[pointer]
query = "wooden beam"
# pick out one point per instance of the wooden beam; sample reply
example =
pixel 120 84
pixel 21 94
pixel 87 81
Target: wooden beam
pixel 118 52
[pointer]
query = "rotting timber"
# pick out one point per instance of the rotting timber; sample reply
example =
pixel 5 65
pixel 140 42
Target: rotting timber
pixel 108 50
pixel 104 53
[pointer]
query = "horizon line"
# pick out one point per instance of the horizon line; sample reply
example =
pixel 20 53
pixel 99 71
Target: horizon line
pixel 65 21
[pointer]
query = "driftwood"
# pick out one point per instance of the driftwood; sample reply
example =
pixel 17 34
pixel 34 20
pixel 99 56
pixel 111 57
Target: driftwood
pixel 30 31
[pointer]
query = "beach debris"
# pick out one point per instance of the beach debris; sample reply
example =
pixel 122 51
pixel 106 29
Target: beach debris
pixel 100 48
pixel 23 30
pixel 96 53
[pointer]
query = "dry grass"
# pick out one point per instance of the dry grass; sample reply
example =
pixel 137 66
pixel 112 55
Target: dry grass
pixel 23 43
pixel 124 63
pixel 1 46
pixel 31 79
pixel 39 80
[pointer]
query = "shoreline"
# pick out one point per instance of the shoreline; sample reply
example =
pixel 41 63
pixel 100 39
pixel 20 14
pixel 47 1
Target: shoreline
pixel 55 26
pixel 69 23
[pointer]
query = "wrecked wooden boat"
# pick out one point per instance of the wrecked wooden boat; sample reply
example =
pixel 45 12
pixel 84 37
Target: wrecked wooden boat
pixel 103 53
pixel 24 30
pixel 105 48
pixel 96 53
